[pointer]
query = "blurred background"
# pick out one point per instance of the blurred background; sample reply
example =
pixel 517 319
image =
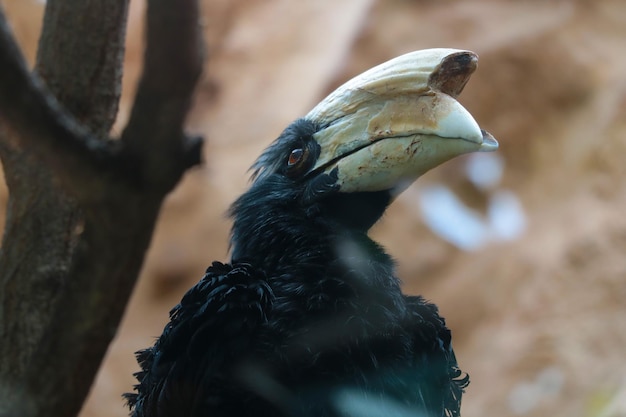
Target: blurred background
pixel 524 250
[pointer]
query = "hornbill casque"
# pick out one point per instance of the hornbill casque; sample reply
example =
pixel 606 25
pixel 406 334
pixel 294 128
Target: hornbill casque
pixel 308 318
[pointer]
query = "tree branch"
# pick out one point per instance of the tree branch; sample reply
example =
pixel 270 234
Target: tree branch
pixel 73 248
pixel 172 65
pixel 83 71
pixel 39 120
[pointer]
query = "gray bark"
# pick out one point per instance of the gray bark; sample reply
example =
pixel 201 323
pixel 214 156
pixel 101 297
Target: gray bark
pixel 82 206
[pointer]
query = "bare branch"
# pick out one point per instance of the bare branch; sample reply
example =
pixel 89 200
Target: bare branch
pixel 173 63
pixel 83 71
pixel 73 248
pixel 42 125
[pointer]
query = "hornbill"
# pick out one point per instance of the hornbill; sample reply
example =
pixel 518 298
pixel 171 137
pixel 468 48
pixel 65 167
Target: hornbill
pixel 308 318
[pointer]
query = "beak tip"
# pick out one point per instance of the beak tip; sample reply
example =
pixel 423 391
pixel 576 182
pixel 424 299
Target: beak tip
pixel 489 143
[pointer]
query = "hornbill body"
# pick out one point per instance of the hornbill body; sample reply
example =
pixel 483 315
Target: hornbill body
pixel 308 318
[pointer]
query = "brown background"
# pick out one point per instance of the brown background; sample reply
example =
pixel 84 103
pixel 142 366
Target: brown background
pixel 538 322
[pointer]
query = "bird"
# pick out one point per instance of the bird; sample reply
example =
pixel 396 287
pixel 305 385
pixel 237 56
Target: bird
pixel 308 317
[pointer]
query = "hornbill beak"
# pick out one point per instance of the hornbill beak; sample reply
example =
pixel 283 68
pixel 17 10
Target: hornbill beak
pixel 386 127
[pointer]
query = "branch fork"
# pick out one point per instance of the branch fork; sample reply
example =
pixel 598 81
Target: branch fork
pixel 82 205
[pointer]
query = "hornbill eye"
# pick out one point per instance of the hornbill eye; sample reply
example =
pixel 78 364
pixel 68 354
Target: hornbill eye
pixel 295 157
pixel 297 161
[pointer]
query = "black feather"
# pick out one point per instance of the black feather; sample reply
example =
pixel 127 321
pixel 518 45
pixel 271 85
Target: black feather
pixel 308 313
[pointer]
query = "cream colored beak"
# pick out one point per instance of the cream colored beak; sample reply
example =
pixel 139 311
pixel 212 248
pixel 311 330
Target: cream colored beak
pixel 391 124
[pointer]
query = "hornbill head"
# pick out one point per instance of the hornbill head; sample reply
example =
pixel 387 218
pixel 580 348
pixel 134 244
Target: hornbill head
pixel 372 137
pixel 391 124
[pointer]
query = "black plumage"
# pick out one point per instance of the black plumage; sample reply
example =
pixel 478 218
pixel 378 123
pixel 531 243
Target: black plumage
pixel 308 318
